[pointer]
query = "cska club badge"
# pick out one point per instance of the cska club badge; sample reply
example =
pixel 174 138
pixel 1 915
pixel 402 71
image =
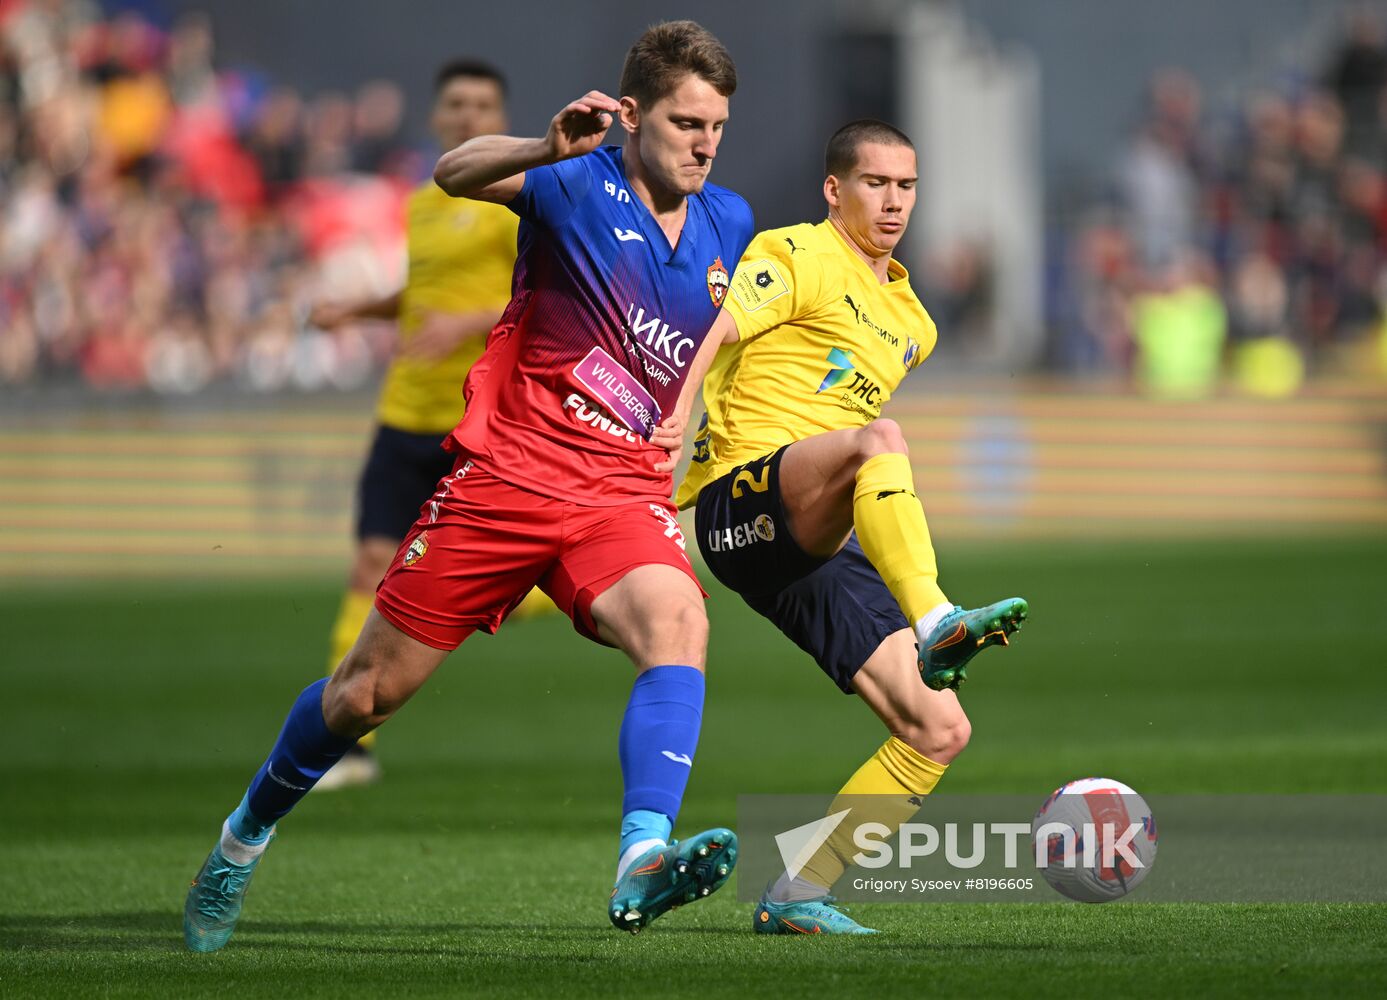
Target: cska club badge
pixel 718 281
pixel 417 548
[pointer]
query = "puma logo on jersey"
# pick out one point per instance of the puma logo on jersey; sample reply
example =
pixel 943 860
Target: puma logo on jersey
pixel 793 248
pixel 890 493
pixel 860 313
pixel 627 235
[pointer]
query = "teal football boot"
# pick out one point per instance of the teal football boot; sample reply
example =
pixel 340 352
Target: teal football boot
pixel 214 901
pixel 667 877
pixel 808 916
pixel 945 652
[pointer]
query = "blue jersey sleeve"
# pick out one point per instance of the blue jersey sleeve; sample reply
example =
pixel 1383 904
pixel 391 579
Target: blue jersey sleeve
pixel 551 193
pixel 736 223
pixel 748 228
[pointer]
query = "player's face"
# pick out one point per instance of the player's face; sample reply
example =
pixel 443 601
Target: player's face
pixel 466 107
pixel 679 134
pixel 874 201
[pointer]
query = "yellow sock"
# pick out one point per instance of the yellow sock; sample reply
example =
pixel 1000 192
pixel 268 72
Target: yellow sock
pixel 893 780
pixel 356 605
pixel 891 526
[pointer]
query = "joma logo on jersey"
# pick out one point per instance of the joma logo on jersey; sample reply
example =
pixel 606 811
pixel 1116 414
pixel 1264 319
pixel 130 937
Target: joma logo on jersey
pixel 655 333
pixel 620 194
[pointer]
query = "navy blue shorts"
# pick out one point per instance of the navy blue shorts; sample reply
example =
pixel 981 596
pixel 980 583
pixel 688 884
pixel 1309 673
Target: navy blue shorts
pixel 401 473
pixel 838 610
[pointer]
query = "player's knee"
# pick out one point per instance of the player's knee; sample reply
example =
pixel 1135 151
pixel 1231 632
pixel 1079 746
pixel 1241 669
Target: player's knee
pixel 880 437
pixel 688 625
pixel 679 634
pixel 357 699
pixel 942 740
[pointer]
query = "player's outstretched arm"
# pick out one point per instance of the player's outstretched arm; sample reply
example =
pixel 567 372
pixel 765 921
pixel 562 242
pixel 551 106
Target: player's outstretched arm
pixel 331 315
pixel 669 435
pixel 492 167
pixel 722 332
pixel 441 333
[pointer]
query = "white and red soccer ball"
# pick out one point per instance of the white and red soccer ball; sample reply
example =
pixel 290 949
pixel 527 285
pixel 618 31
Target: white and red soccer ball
pixel 1094 840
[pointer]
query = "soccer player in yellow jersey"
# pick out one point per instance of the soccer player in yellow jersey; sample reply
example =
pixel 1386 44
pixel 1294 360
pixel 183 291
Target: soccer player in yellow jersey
pixel 806 504
pixel 461 256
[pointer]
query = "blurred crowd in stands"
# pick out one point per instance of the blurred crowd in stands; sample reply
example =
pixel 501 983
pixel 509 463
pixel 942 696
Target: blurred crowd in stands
pixel 1255 234
pixel 164 224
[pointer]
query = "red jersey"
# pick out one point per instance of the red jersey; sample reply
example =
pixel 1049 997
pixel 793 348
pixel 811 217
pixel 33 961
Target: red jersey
pixel 603 322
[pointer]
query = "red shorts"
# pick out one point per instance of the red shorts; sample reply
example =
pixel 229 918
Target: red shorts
pixel 480 545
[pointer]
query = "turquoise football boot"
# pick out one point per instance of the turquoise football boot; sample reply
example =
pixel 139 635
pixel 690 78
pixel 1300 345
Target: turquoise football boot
pixel 809 916
pixel 944 655
pixel 667 877
pixel 214 901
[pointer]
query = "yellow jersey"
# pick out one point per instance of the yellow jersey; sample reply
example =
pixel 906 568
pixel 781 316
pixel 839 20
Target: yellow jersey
pixel 822 346
pixel 461 256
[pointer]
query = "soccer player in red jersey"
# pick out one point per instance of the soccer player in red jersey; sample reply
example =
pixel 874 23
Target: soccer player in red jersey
pixel 564 458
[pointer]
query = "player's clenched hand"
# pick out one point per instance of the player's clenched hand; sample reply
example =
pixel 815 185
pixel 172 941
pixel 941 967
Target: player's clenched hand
pixel 669 435
pixel 329 315
pixel 579 128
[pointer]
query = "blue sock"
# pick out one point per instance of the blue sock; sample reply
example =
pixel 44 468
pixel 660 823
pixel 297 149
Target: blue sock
pixel 659 735
pixel 244 825
pixel 640 825
pixel 306 748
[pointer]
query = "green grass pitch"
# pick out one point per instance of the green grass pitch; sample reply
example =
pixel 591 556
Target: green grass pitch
pixel 135 714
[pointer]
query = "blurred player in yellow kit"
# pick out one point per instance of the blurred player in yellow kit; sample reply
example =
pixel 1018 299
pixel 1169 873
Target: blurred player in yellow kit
pixel 806 501
pixel 461 256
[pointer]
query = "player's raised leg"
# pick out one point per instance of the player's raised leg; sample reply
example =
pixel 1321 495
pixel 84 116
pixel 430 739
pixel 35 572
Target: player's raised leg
pixel 384 668
pixel 655 615
pixel 928 730
pixel 860 478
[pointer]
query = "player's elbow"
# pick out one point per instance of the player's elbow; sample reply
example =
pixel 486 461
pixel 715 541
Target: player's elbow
pixel 446 174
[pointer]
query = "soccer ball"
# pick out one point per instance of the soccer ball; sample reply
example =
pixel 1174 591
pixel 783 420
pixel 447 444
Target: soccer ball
pixel 1097 839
